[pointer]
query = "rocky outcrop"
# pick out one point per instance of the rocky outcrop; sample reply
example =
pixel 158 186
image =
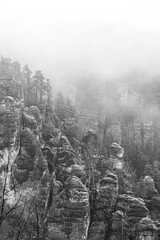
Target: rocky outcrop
pixel 146 228
pixel 149 191
pixel 70 211
pixel 73 194
pixel 9 125
pixel 79 171
pixel 22 162
pixel 115 215
pixel 116 156
pixel 103 203
pixel 10 119
pixel 30 158
pixel 146 189
pixel 69 217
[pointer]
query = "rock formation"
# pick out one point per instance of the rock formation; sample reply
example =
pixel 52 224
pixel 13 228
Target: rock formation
pixel 117 216
pixel 65 193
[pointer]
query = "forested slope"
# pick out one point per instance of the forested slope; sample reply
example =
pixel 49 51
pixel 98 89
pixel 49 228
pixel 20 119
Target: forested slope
pixel 82 169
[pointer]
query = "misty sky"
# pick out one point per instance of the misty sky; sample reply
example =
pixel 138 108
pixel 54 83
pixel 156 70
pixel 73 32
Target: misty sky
pixel 67 39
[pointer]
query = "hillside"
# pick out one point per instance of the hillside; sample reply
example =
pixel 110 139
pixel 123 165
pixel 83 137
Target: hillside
pixel 87 170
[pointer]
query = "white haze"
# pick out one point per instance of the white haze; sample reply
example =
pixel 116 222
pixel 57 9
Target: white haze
pixel 70 39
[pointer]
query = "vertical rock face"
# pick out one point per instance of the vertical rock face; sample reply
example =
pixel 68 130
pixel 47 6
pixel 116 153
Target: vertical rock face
pixel 9 137
pixel 76 208
pixel 21 160
pixel 9 125
pixel 70 210
pixel 108 191
pixel 103 203
pixel 69 217
pixel 30 158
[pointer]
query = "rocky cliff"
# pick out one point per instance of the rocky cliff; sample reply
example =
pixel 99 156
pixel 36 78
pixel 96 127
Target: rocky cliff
pixel 51 191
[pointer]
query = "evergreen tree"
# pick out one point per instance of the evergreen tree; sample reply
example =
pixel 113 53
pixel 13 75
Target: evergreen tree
pixel 38 86
pixel 27 84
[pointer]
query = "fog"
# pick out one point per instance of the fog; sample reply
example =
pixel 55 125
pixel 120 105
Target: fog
pixel 70 40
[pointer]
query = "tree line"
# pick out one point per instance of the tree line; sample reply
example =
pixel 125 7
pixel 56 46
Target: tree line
pixel 35 88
